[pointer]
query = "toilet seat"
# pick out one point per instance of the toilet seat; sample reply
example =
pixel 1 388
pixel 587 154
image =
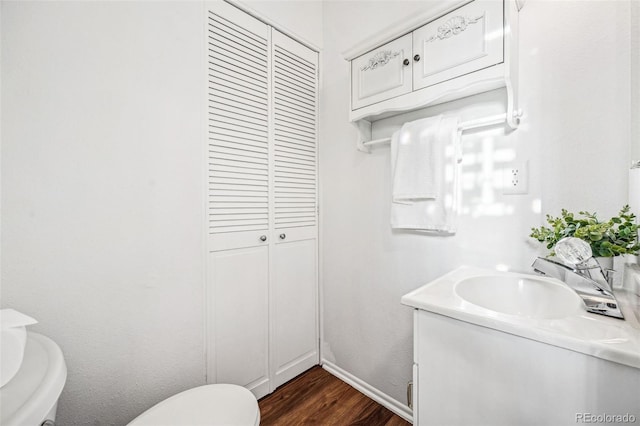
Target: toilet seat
pixel 209 405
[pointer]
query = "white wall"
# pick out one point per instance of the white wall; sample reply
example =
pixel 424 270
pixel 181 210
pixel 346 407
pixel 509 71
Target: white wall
pixel 301 18
pixel 635 80
pixel 574 90
pixel 584 99
pixel 102 193
pixel 101 197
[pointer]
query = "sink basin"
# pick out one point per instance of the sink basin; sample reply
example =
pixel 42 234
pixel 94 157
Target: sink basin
pixel 537 308
pixel 523 296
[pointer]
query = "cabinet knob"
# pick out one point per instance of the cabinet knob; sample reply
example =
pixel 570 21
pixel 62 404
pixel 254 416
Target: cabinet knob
pixel 405 62
pixel 283 236
pixel 416 58
pixel 263 238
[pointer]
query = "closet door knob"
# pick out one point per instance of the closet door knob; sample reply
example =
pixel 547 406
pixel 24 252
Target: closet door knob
pixel 416 58
pixel 283 236
pixel 405 62
pixel 263 238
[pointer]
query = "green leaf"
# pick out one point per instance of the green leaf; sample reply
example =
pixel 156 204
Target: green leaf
pixel 595 236
pixel 618 235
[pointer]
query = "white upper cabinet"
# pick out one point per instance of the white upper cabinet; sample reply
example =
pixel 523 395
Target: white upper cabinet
pixel 382 73
pixel 460 42
pixel 457 50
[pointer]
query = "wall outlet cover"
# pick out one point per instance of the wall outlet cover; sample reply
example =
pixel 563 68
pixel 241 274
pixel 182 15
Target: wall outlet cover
pixel 516 178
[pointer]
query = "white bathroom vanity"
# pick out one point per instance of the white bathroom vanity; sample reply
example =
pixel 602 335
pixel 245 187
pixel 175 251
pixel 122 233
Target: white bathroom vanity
pixel 499 348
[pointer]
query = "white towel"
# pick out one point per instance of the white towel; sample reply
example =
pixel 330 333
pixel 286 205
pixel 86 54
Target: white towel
pixel 432 205
pixel 417 162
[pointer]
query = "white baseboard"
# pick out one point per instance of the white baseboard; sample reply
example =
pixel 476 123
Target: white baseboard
pixel 373 393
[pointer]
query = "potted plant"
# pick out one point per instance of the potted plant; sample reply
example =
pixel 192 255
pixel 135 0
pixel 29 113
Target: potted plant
pixel 614 237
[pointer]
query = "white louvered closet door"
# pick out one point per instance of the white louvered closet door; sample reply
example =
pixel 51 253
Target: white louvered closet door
pixel 294 136
pixel 294 314
pixel 239 86
pixel 238 213
pixel 262 203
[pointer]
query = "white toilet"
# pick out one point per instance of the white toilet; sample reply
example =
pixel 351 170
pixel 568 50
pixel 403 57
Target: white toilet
pixel 209 405
pixel 32 373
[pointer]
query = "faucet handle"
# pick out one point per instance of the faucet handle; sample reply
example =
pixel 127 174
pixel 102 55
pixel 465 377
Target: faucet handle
pixel 573 251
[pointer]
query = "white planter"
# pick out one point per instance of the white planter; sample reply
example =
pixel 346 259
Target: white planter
pixel 605 262
pixel 617 264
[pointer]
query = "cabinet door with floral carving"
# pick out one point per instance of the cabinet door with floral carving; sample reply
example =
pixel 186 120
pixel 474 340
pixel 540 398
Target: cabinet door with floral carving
pixel 381 74
pixel 463 41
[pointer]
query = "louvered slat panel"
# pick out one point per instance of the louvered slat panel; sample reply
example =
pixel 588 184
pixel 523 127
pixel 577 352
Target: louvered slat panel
pixel 297 124
pixel 296 185
pixel 299 148
pixel 301 155
pixel 217 130
pixel 294 143
pixel 300 76
pixel 238 121
pixel 284 175
pixel 296 100
pixel 296 129
pixel 285 111
pixel 234 171
pixel 287 164
pixel 247 145
pixel 293 84
pixel 240 150
pixel 232 94
pixel 243 160
pixel 230 105
pixel 235 178
pixel 236 200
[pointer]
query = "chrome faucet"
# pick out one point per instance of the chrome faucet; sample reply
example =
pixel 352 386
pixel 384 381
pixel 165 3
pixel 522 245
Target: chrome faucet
pixel 586 278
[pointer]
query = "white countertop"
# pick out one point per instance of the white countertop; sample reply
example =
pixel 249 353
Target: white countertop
pixel 592 334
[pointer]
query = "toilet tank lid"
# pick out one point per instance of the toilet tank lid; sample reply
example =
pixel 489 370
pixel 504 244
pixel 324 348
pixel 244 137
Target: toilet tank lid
pixel 209 405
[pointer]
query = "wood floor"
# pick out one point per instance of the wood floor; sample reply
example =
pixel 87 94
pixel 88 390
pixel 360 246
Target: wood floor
pixel 318 398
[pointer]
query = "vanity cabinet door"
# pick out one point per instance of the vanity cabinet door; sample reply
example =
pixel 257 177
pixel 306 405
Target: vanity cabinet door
pixel 382 73
pixel 463 41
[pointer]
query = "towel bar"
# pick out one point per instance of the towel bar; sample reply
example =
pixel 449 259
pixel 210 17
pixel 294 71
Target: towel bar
pixel 464 126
